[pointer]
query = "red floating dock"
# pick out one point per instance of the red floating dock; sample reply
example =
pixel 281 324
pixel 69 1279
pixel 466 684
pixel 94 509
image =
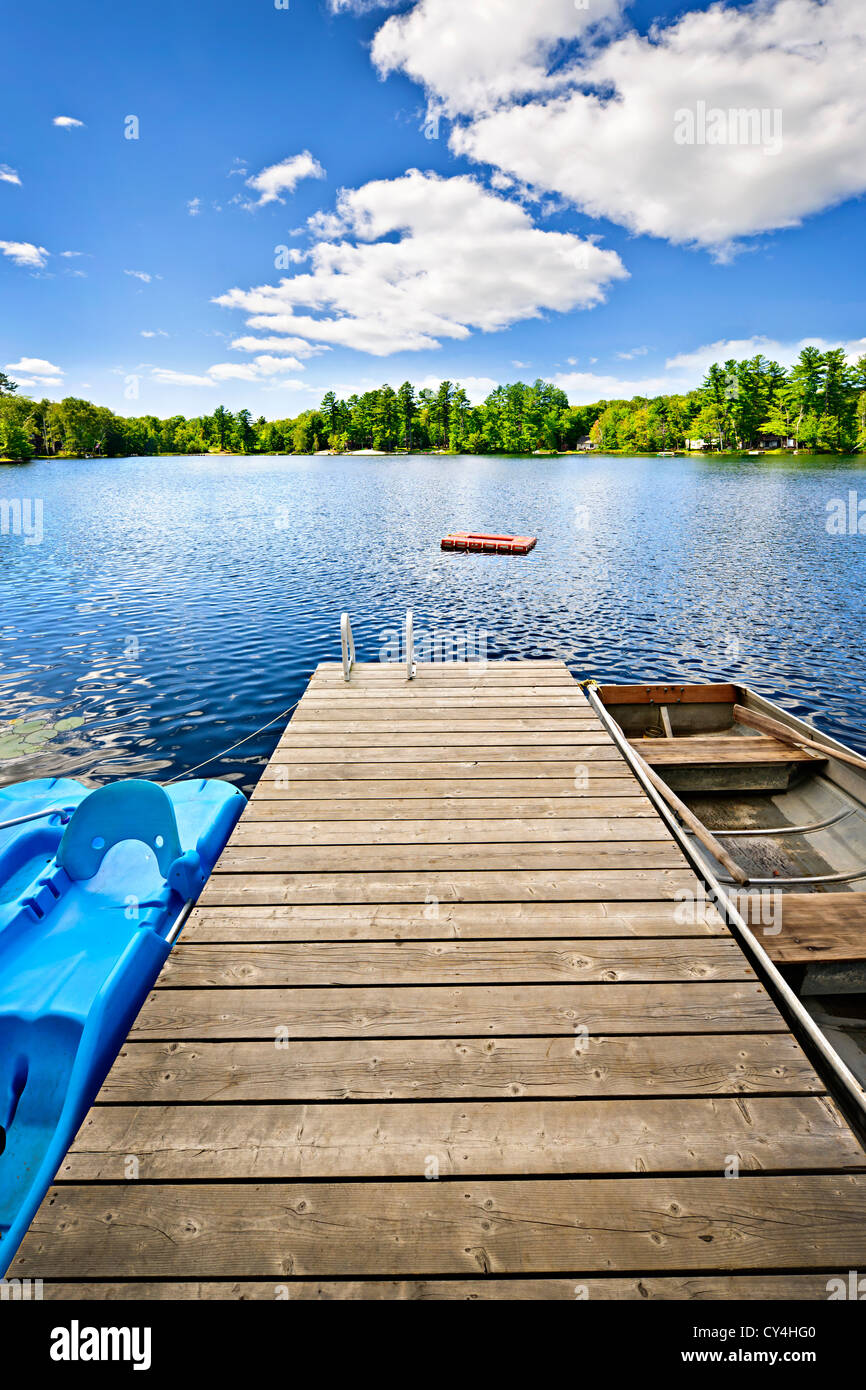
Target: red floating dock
pixel 492 545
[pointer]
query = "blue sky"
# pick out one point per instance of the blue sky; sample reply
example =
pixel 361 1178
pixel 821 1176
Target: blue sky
pixel 555 225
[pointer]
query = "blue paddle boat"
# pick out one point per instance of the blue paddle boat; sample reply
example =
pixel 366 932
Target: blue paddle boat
pixel 94 886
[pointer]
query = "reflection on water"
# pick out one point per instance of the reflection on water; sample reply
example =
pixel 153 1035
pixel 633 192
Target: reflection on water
pixel 174 605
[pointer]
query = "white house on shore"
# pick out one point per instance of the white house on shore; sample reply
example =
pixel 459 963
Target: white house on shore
pixel 763 441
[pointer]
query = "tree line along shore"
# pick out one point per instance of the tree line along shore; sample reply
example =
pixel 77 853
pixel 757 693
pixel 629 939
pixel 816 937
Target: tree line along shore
pixel 816 406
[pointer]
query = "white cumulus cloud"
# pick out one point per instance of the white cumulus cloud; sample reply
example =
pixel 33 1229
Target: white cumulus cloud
pixel 613 122
pixel 9 175
pixel 37 366
pixel 463 259
pixel 471 56
pixel 166 377
pixel 361 6
pixel 299 347
pixel 34 371
pixel 24 253
pixel 284 178
pixel 67 122
pixel 262 366
pixel 264 369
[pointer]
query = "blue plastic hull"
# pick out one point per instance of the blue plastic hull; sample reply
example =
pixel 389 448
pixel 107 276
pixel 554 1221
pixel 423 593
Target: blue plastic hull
pixel 77 958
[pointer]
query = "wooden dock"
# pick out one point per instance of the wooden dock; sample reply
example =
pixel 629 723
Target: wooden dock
pixel 443 1027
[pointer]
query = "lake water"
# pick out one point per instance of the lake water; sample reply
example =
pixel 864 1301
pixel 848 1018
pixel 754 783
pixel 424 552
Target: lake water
pixel 174 605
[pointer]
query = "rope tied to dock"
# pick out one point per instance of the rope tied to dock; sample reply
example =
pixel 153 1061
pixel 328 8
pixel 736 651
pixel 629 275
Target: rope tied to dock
pixel 246 739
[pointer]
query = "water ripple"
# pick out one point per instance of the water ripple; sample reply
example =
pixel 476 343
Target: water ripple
pixel 176 605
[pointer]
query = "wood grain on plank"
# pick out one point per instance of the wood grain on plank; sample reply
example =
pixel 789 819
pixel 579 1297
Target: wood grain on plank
pixel 456 1010
pixel 394 754
pixel 494 679
pixel 426 704
pixel 195 966
pixel 587 763
pixel 427 673
pixel 479 885
pixel 467 921
pixel 256 830
pixel 730 752
pixel 178 1073
pixel 426 670
pixel 507 789
pixel 814 927
pixel 206 1143
pixel 468 857
pixel 525 688
pixel 434 670
pixel 668 694
pixel 285 810
pixel 439 731
pixel 464 1226
pixel 416 692
pixel 502 745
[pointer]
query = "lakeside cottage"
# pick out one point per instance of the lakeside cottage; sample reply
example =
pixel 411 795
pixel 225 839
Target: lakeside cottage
pixel 762 441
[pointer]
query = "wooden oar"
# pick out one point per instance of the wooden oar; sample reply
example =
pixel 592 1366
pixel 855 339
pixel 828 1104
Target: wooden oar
pixel 690 819
pixel 765 725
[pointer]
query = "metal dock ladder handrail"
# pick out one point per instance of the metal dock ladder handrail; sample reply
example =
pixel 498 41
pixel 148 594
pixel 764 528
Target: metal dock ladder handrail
pixel 410 646
pixel 347 644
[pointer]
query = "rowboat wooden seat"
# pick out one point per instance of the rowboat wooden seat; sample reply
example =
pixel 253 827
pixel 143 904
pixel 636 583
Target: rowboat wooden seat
pixel 729 752
pixel 814 927
pixel 725 763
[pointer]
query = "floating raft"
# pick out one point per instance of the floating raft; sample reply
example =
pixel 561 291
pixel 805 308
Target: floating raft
pixel 492 545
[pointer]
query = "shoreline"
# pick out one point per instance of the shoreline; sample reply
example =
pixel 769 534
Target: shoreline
pixel 742 454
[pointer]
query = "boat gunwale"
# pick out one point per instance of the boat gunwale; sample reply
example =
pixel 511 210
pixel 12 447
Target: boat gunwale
pixel 853 1094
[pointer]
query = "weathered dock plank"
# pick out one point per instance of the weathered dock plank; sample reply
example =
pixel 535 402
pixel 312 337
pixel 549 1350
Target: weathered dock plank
pixel 418 1011
pixel 466 921
pixel 182 1143
pixel 471 1068
pixel 198 966
pixel 311 859
pixel 430 888
pixel 462 1227
pixel 286 810
pixel 626 830
pixel 374 789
